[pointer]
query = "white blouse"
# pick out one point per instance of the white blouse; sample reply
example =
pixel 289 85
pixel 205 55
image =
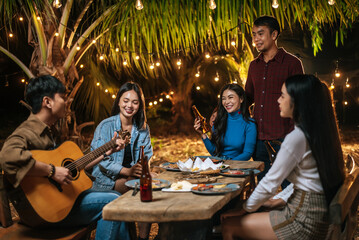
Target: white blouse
pixel 295 162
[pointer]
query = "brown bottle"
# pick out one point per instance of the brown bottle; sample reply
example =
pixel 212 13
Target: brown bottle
pixel 145 179
pixel 206 128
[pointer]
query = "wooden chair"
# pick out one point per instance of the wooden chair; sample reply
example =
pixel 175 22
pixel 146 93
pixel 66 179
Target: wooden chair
pixel 13 230
pixel 271 152
pixel 343 208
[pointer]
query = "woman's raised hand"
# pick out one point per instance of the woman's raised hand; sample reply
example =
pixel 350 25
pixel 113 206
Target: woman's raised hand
pixel 197 126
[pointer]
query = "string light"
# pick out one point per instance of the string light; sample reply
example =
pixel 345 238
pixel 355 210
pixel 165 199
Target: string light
pixel 137 57
pixel 102 57
pixel 97 84
pixel 117 49
pixel 155 102
pixel 167 96
pixel 106 90
pixel 198 88
pixel 23 80
pixel 179 62
pixel 275 4
pixel 171 92
pixel 56 34
pixel 139 5
pixel 218 96
pixel 57 4
pixel 81 66
pixel 161 100
pixel 331 2
pixel 207 55
pixel 152 66
pixel 38 18
pixel 158 64
pixel 197 74
pixel 125 62
pixel 78 48
pixel 345 103
pixel 94 41
pixel 337 73
pixel 150 104
pixel 21 19
pixel 212 4
pixel 113 96
pixel 11 35
pixel 253 44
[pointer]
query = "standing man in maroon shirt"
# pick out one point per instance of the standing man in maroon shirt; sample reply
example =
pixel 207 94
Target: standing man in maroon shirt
pixel 266 76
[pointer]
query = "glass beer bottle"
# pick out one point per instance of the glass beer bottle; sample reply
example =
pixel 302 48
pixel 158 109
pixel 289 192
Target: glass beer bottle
pixel 206 129
pixel 145 180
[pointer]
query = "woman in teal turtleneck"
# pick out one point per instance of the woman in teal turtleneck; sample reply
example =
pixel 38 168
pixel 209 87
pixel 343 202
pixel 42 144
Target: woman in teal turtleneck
pixel 234 132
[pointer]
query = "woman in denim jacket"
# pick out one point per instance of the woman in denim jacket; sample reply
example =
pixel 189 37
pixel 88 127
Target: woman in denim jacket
pixel 128 113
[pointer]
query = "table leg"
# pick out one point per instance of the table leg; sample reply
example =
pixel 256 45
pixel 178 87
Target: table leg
pixel 188 230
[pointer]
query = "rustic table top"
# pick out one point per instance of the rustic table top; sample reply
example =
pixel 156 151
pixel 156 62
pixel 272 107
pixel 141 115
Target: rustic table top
pixel 169 206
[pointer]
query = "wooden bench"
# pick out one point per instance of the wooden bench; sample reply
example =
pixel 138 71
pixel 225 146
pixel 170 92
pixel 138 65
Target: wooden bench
pixel 13 230
pixel 343 208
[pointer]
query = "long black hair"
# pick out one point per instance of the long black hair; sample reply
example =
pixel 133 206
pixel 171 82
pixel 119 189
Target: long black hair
pixel 313 113
pixel 140 117
pixel 220 124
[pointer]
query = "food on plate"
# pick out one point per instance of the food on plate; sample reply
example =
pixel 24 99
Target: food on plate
pixel 208 172
pixel 220 186
pixel 172 166
pixel 234 172
pixel 194 169
pixel 202 187
pixel 156 183
pixel 181 185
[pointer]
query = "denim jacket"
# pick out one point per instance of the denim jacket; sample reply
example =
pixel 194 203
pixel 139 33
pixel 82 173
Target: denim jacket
pixel 107 171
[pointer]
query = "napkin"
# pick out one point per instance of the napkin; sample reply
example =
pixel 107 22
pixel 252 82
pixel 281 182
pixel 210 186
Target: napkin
pixel 198 165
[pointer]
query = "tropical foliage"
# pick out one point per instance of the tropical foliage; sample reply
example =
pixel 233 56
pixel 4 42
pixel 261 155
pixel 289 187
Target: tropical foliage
pixel 164 31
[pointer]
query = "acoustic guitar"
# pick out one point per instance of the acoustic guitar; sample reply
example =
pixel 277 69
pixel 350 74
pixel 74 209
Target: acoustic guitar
pixel 51 201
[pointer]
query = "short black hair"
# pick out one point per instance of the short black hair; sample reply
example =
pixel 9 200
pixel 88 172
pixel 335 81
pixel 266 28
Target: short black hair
pixel 268 21
pixel 42 86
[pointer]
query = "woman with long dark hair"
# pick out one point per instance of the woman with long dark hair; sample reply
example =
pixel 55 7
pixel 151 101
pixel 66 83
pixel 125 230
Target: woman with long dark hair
pixel 234 132
pixel 310 157
pixel 128 113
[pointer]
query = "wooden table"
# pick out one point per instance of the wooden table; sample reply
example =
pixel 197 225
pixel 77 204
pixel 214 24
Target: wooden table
pixel 178 214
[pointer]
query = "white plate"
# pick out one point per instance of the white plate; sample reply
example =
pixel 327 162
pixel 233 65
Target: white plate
pixel 180 190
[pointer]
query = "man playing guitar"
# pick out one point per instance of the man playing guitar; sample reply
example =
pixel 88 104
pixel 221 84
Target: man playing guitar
pixel 25 175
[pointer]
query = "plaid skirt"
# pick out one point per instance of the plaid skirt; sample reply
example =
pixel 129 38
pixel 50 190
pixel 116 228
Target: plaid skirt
pixel 305 216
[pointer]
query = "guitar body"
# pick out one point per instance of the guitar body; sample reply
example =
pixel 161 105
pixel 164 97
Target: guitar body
pixel 53 202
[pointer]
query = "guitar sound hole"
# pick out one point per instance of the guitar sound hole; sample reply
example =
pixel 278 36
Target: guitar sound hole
pixel 73 169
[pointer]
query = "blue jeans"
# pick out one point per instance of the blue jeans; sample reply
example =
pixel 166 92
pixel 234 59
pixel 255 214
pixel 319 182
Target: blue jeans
pixel 261 154
pixel 88 209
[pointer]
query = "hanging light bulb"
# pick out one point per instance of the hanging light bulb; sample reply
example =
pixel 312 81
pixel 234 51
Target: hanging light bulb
pixel 161 100
pixel 102 57
pixel 347 83
pixel 94 41
pixel 345 103
pixel 152 66
pixel 150 104
pixel 81 66
pixel 139 5
pixel 207 55
pixel 78 48
pixel 23 80
pixel 331 2
pixel 56 4
pixel 113 96
pixel 337 73
pixel 97 84
pixel 158 64
pixel 179 62
pixel 137 57
pixel 56 34
pixel 275 4
pixel 21 19
pixel 233 42
pixel 197 74
pixel 332 85
pixel 198 88
pixel 38 18
pixel 106 90
pixel 216 78
pixel 117 49
pixel 212 4
pixel 11 35
pixel 171 92
pixel 218 96
pixel 167 96
pixel 155 102
pixel 125 62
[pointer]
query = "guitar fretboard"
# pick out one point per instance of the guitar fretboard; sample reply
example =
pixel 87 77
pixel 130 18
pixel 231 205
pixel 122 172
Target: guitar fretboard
pixel 86 159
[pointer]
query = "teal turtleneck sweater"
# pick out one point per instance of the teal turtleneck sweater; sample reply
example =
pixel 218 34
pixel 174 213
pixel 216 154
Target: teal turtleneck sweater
pixel 239 140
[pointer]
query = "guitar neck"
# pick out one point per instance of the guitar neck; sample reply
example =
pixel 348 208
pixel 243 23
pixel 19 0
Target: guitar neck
pixel 91 156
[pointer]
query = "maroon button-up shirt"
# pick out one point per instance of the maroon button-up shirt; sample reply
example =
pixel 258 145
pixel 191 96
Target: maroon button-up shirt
pixel 263 87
